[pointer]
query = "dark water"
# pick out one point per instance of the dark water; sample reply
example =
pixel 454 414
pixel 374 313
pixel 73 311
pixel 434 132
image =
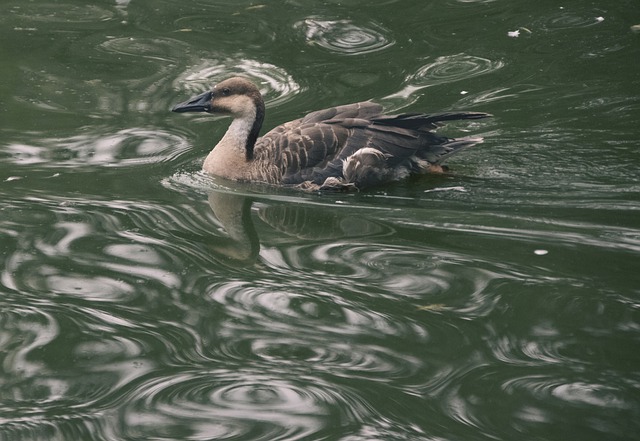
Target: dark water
pixel 141 300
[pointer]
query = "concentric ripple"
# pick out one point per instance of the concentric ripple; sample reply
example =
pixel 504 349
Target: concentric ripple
pixel 242 404
pixel 56 262
pixel 359 261
pixel 393 271
pixel 443 70
pixel 338 358
pixel 452 68
pixel 275 84
pixel 97 146
pixel 343 36
pixel 270 306
pixel 159 49
pixel 577 392
pixel 30 357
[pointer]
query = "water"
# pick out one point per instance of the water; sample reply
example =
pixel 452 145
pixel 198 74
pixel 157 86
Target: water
pixel 143 300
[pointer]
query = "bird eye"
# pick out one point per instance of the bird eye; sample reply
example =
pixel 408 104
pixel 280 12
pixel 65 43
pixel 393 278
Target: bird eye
pixel 226 91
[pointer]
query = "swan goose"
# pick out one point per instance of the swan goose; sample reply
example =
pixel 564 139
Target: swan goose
pixel 351 146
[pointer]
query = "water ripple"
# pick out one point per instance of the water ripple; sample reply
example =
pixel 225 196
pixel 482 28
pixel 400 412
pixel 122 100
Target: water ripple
pixel 391 272
pixel 270 303
pixel 474 1
pixel 448 69
pixel 362 262
pixel 306 222
pixel 371 361
pixel 275 84
pixel 22 331
pixel 99 146
pixel 238 404
pixel 58 262
pixel 145 65
pixel 597 395
pixel 566 19
pixel 269 306
pixel 343 37
pixel 43 376
pixel 233 25
pixel 444 70
pixel 158 49
pixel 68 14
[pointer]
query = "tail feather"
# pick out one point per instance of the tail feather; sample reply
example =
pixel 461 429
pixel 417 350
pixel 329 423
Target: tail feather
pixel 423 121
pixel 437 154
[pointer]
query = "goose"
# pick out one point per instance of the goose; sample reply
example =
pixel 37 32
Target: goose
pixel 352 146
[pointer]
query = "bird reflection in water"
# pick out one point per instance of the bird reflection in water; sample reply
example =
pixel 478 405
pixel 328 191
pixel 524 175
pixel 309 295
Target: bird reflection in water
pixel 278 222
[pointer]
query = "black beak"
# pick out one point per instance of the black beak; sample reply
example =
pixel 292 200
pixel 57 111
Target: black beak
pixel 201 103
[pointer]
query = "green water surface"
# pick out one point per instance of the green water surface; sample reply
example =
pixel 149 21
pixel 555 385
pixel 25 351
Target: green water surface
pixel 143 300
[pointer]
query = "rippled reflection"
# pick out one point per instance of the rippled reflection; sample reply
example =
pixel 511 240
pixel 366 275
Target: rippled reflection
pixel 62 13
pixel 145 65
pixel 567 19
pixel 238 404
pixel 275 84
pixel 230 318
pixel 153 49
pixel 297 221
pixel 140 300
pixel 351 361
pixel 41 376
pixel 128 147
pixel 443 70
pixel 453 68
pixel 343 37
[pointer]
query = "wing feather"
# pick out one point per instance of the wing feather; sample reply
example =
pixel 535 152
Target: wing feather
pixel 314 147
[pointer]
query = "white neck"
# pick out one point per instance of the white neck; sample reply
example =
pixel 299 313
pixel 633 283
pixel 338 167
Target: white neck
pixel 228 157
